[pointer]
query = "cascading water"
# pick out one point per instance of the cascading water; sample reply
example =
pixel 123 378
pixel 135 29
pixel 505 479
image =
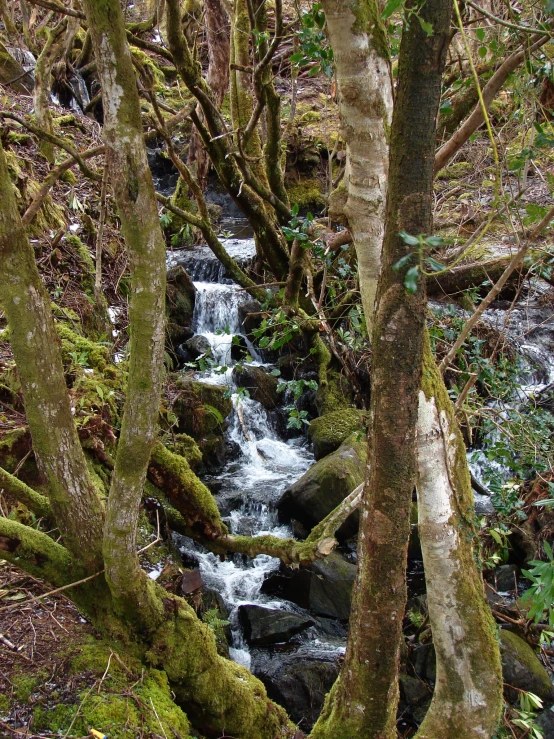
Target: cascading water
pixel 266 464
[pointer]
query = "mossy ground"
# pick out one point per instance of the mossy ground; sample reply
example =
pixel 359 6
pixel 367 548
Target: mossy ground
pixel 65 681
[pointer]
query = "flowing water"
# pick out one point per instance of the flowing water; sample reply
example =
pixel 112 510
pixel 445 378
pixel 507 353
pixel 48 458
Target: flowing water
pixel 266 465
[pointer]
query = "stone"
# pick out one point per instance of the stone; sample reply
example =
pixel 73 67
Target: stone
pixel 415 697
pixel 325 485
pixel 261 385
pixel 190 581
pixel 298 681
pixel 324 588
pixel 505 577
pixel 250 316
pixel 266 626
pixel 522 668
pixel 328 432
pixel 545 720
pixel 424 662
pixel 239 348
pixel 181 296
pixel 198 346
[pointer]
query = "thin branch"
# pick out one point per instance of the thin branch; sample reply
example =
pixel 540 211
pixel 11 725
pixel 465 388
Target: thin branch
pixel 57 8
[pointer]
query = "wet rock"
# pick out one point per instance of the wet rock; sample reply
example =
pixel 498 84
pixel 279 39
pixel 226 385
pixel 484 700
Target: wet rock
pixel 505 577
pixel 522 668
pixel 198 346
pixel 324 588
pixel 201 410
pixel 328 432
pixel 250 316
pixel 239 348
pixel 190 581
pixel 298 681
pixel 261 386
pixel 181 295
pixel 265 626
pixel 545 720
pixel 483 505
pixel 325 485
pixel 415 697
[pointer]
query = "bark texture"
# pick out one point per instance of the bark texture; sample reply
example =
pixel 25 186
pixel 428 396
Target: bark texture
pixel 467 701
pixel 35 345
pixel 364 84
pixel 364 699
pixel 136 201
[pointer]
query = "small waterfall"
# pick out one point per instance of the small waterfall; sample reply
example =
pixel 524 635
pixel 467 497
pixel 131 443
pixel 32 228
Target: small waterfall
pixel 266 464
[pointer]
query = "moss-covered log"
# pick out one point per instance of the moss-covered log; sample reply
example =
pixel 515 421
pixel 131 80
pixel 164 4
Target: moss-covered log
pixel 473 275
pixel 35 502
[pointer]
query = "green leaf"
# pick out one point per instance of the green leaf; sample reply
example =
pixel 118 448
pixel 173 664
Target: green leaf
pixel 425 27
pixel 434 241
pixel 408 238
pixel 390 7
pixel 411 279
pixel 483 51
pixel 402 262
pixel 295 58
pixel 480 33
pixel 434 265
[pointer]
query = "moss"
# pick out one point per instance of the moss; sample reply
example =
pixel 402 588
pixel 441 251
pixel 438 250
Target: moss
pixel 185 446
pixel 97 357
pixel 11 445
pixel 4 703
pixel 131 700
pixel 69 177
pixel 335 395
pixel 329 431
pixel 368 20
pixel 25 685
pixel 455 171
pixel 307 194
pixel 149 64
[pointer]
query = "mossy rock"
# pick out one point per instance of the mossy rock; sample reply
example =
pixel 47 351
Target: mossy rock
pixel 186 447
pixel 325 485
pixel 261 386
pixel 181 296
pixel 329 431
pixel 206 394
pixel 522 668
pixel 456 171
pixel 94 355
pixel 335 395
pixel 307 194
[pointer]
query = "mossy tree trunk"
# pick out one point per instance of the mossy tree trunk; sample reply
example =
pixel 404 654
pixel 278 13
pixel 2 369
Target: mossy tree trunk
pixel 73 498
pixel 467 701
pixel 363 701
pixel 43 83
pixel 364 84
pixel 136 202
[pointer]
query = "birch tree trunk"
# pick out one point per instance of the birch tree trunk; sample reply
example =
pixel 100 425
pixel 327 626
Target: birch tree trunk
pixel 467 701
pixel 364 84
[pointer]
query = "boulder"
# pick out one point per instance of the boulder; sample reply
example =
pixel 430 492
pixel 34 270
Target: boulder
pixel 545 720
pixel 250 316
pixel 265 626
pixel 325 485
pixel 324 588
pixel 298 681
pixel 328 432
pixel 415 697
pixel 336 395
pixel 198 346
pixel 181 295
pixel 201 410
pixel 505 578
pixel 261 386
pixel 522 668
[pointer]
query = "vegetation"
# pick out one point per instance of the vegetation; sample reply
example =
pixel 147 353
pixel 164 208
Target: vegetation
pixel 439 176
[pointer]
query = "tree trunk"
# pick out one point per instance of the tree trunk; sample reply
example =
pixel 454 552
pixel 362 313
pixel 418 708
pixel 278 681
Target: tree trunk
pixel 35 345
pixel 43 84
pixel 363 701
pixel 364 84
pixel 467 701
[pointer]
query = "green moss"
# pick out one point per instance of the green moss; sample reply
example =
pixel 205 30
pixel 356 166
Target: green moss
pixel 25 685
pixel 97 357
pixel 456 171
pixel 335 395
pixel 185 446
pixel 9 443
pixel 148 62
pixel 124 706
pixel 4 703
pixel 307 194
pixel 329 431
pixel 368 20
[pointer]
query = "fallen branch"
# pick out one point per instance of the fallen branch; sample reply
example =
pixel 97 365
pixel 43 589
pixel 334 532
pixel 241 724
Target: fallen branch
pixel 319 543
pixel 35 502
